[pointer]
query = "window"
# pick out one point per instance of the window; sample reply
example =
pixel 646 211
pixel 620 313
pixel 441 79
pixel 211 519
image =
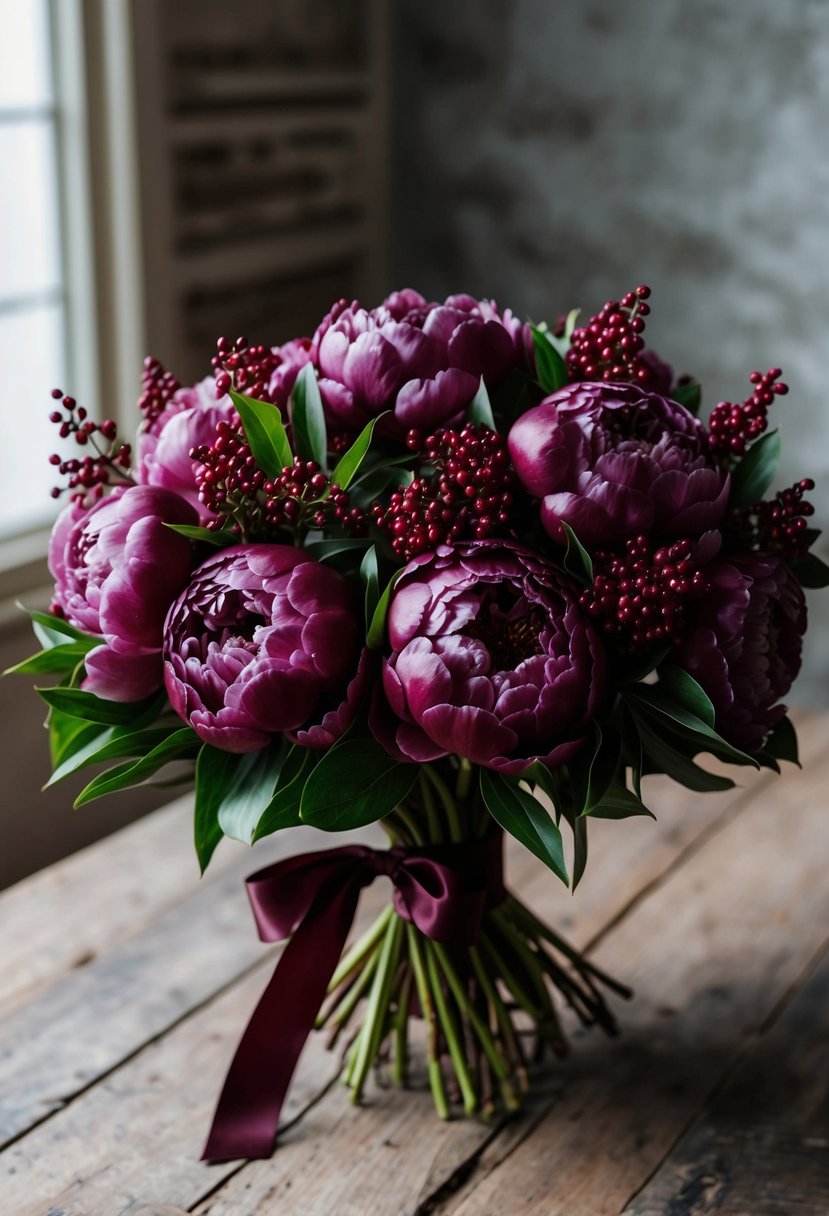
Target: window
pixel 32 290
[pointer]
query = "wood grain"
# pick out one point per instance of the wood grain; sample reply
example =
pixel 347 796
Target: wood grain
pixel 711 912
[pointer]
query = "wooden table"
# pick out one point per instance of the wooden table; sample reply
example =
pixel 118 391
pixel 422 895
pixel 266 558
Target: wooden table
pixel 125 982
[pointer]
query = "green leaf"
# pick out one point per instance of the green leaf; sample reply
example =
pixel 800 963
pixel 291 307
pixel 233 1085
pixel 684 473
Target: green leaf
pixel 570 323
pixel 349 463
pixel 52 630
pixel 211 768
pixel 249 791
pixel 79 704
pixel 550 367
pixel 480 411
pixel 754 474
pixel 376 632
pixel 668 715
pixel 603 768
pixel 220 539
pixel 324 550
pixel 355 783
pixel 110 744
pixel 283 809
pixel 782 742
pixel 68 735
pixel 122 776
pixel 810 571
pixel 689 395
pixel 579 850
pixel 676 764
pixel 685 690
pixel 308 418
pixel 577 561
pixel 370 578
pixel 59 658
pixel 265 432
pixel 618 802
pixel 520 814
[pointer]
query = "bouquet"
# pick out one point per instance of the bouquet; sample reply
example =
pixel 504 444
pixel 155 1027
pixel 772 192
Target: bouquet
pixel 436 568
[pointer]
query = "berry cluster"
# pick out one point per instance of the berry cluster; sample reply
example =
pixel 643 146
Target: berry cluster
pixel 240 495
pixel 90 474
pixel 610 345
pixel 157 387
pixel 640 596
pixel 733 426
pixel 777 526
pixel 468 492
pixel 246 368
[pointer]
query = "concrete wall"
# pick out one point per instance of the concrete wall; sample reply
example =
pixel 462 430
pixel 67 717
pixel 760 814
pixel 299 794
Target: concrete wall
pixel 555 153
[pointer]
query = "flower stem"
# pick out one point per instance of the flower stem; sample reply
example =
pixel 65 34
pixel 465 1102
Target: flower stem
pixel 464 780
pixel 361 948
pixel 401 1030
pixel 371 1032
pixel 428 1010
pixel 410 823
pixel 449 804
pixel 447 1022
pixel 432 817
pixel 340 1014
pixel 499 1066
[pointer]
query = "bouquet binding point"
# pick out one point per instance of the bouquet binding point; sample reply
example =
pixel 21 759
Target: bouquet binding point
pixel 440 569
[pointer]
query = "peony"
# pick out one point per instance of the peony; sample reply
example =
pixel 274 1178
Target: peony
pixel 613 461
pixel 117 569
pixel 423 361
pixel 292 357
pixel 263 640
pixel 491 659
pixel 744 644
pixel 188 420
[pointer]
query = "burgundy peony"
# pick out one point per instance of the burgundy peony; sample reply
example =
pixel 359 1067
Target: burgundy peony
pixel 188 420
pixel 263 640
pixel 613 461
pixel 491 659
pixel 745 642
pixel 423 361
pixel 117 569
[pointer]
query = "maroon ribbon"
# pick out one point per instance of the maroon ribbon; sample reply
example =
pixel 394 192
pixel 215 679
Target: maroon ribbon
pixel 444 890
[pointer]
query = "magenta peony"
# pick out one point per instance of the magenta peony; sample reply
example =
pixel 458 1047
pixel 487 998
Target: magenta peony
pixel 263 640
pixel 491 659
pixel 117 569
pixel 423 361
pixel 745 642
pixel 613 461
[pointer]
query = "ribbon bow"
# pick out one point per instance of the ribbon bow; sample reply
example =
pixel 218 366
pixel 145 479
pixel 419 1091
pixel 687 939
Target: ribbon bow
pixel 444 890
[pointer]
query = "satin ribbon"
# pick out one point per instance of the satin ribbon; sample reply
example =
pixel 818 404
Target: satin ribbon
pixel 444 890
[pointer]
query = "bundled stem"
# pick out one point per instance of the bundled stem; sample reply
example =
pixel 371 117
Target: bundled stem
pixel 477 1004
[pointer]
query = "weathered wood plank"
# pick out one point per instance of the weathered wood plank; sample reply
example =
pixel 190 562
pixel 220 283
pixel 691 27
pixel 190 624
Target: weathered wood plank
pixel 80 1028
pixel 762 1145
pixel 177 940
pixel 72 912
pixel 710 954
pixel 192 1113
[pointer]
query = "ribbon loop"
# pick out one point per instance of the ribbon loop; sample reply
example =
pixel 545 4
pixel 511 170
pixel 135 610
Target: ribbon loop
pixel 444 890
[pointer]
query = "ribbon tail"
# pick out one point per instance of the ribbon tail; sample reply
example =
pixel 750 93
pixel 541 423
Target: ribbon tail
pixel 247 1114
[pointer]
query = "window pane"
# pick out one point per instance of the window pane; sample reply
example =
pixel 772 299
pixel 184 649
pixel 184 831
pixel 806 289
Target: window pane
pixel 31 356
pixel 28 209
pixel 24 53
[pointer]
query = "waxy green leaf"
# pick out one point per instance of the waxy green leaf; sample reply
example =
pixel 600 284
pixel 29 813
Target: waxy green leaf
pixel 180 744
pixel 308 418
pixel 755 472
pixel 480 411
pixel 265 433
pixel 355 783
pixel 551 371
pixel 349 463
pixel 520 814
pixel 79 704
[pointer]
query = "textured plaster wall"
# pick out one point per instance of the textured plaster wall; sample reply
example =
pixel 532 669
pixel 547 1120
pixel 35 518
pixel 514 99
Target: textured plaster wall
pixel 552 152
